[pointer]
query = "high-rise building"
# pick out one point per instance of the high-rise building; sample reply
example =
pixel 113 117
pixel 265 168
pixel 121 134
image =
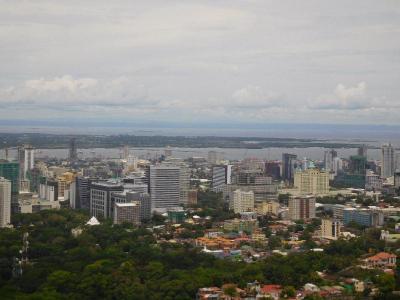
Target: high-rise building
pixel 26 159
pixel 48 189
pixel 243 201
pixel 221 175
pixel 10 171
pixel 5 202
pixel 362 150
pixel 212 157
pixel 302 207
pixel 329 157
pixel 273 169
pixel 387 161
pixel 100 198
pixel 397 179
pixel 312 181
pixel 288 166
pixel 164 187
pixel 330 228
pixel 127 213
pixel 73 151
pixel 358 165
pixel 373 182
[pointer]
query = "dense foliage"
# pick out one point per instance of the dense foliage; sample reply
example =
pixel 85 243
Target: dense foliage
pixel 119 262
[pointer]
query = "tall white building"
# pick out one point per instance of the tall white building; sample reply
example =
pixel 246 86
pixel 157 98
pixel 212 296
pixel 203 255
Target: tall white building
pixel 243 201
pixel 164 187
pixel 5 202
pixel 388 162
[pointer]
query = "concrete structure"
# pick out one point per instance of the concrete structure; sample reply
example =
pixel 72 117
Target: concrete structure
pixel 100 198
pixel 267 208
pixel 221 175
pixel 164 187
pixel 363 216
pixel 212 157
pixel 329 157
pixel 48 189
pixel 127 213
pixel 73 151
pixel 397 179
pixel 243 201
pixel 312 181
pixel 388 161
pixel 5 202
pixel 288 166
pixel 302 207
pixel 382 260
pixel 330 228
pixel 373 182
pixel 26 159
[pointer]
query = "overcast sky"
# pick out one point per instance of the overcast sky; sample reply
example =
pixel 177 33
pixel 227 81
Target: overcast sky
pixel 201 61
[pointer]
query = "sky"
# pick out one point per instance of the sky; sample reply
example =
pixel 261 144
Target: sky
pixel 204 61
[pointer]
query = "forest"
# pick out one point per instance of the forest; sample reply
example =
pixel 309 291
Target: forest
pixel 122 262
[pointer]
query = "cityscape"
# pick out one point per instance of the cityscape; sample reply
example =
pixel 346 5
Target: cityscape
pixel 206 150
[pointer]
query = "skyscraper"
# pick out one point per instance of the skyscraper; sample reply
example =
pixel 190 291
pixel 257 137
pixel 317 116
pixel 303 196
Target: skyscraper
pixel 10 171
pixel 288 166
pixel 387 161
pixel 73 152
pixel 5 202
pixel 100 198
pixel 362 150
pixel 164 187
pixel 329 157
pixel 26 159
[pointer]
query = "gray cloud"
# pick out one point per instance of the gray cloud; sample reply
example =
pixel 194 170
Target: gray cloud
pixel 228 60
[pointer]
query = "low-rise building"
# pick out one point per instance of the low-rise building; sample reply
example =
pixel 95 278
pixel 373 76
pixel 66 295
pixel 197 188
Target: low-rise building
pixel 382 260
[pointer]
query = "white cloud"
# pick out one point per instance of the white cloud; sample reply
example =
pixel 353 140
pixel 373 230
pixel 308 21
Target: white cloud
pixel 252 96
pixel 344 98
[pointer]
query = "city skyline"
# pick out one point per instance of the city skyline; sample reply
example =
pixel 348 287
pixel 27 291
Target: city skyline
pixel 189 62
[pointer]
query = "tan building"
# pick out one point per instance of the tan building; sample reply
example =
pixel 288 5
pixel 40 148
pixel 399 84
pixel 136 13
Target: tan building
pixel 267 208
pixel 127 213
pixel 302 207
pixel 243 201
pixel 5 202
pixel 312 181
pixel 330 228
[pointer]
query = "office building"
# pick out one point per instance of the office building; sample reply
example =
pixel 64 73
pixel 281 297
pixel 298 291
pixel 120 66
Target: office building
pixel 221 175
pixel 363 216
pixel 388 162
pixel 212 157
pixel 243 201
pixel 397 179
pixel 373 182
pixel 358 165
pixel 288 167
pixel 100 198
pixel 312 181
pixel 164 187
pixel 73 151
pixel 330 228
pixel 26 159
pixel 362 151
pixel 10 171
pixel 302 207
pixel 329 157
pixel 5 202
pixel 145 203
pixel 273 169
pixel 48 189
pixel 127 213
